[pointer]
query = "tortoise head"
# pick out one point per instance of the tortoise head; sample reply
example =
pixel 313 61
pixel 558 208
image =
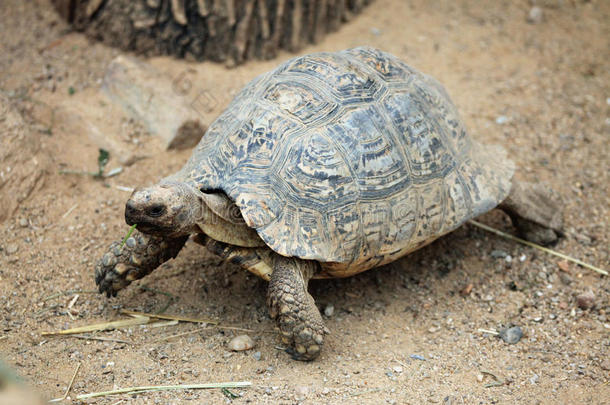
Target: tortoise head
pixel 165 209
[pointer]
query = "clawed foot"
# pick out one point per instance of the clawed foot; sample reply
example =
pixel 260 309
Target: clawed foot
pixel 140 255
pixel 300 323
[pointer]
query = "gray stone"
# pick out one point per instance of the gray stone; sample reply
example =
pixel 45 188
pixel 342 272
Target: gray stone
pixel 149 96
pixel 241 343
pixel 498 254
pixel 511 335
pixel 585 300
pixel 535 16
pixel 329 310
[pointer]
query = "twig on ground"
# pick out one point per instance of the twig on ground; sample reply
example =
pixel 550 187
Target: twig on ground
pixel 150 388
pixel 47 309
pixel 168 317
pixel 162 324
pixel 542 248
pixel 123 188
pixel 70 292
pixel 138 320
pixel 489 331
pixel 69 386
pixel 73 301
pixel 69 211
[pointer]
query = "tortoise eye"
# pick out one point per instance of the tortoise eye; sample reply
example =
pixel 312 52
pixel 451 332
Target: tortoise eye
pixel 156 211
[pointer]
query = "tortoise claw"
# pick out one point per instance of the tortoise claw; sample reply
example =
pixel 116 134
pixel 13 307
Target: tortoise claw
pixel 124 263
pixel 300 323
pixel 111 271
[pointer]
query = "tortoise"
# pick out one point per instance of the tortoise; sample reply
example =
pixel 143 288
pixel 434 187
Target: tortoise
pixel 327 166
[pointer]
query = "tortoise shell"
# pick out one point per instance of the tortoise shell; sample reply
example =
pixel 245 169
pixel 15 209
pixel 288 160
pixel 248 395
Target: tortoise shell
pixel 352 159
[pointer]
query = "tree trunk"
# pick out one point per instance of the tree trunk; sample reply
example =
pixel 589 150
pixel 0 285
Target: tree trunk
pixel 220 30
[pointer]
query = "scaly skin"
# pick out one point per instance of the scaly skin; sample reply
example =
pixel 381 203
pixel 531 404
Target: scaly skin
pixel 294 309
pixel 536 211
pixel 140 255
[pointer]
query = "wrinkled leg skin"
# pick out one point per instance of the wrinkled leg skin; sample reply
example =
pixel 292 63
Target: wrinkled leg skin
pixel 294 309
pixel 536 211
pixel 139 256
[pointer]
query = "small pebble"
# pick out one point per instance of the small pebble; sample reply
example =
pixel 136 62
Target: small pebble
pixel 417 357
pixel 535 15
pixel 466 290
pixel 498 254
pixel 11 249
pixel 241 343
pixel 329 310
pixel 565 278
pixel 585 300
pixel 501 120
pixel 375 31
pixel 511 335
pixel 480 377
pixel 23 222
pixel 397 369
pixel 563 265
pixel 256 356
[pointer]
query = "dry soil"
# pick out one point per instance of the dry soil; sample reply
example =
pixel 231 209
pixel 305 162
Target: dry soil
pixel 405 333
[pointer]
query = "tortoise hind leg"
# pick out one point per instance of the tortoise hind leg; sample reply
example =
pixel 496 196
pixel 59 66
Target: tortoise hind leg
pixel 535 211
pixel 254 259
pixel 294 309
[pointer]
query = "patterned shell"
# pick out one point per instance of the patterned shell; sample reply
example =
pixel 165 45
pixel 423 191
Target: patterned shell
pixel 352 159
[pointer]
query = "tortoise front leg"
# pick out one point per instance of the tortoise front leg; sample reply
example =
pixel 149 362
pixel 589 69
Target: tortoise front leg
pixel 294 308
pixel 140 255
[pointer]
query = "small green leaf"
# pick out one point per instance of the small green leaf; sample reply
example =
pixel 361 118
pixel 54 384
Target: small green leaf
pixel 102 160
pixel 229 394
pixel 131 229
pixel 71 90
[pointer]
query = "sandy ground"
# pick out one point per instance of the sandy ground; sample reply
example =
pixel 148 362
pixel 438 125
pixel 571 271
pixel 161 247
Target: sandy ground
pixel 542 90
